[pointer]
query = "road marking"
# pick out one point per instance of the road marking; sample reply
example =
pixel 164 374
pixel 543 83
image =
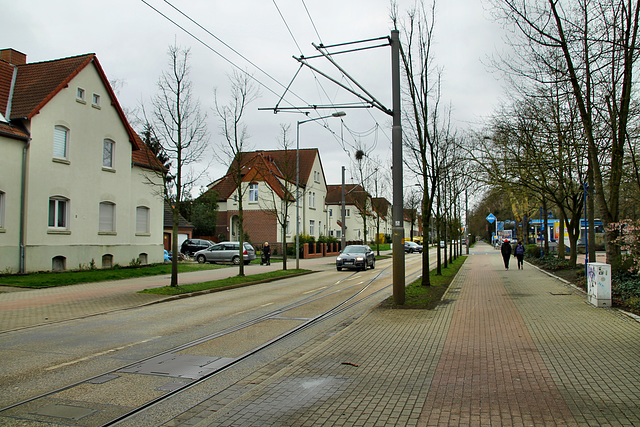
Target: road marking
pixel 102 353
pixel 316 290
pixel 266 305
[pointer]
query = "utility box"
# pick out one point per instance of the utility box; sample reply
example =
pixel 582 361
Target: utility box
pixel 599 284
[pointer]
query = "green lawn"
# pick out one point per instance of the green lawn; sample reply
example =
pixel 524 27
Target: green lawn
pixel 50 279
pixel 428 297
pixel 223 283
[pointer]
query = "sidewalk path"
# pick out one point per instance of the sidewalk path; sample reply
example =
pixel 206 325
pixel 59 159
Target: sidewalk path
pixel 510 347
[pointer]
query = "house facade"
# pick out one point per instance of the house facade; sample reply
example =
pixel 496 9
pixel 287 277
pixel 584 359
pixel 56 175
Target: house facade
pixel 358 208
pixel 78 187
pixel 269 196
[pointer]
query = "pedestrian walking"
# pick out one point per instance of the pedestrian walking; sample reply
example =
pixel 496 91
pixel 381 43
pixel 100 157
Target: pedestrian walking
pixel 519 252
pixel 266 254
pixel 506 253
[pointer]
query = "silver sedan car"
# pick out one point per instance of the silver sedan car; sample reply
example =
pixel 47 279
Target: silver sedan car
pixel 225 252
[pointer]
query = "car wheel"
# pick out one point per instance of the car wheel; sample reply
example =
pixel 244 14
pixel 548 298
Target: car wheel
pixel 201 259
pixel 373 264
pixel 235 260
pixel 339 268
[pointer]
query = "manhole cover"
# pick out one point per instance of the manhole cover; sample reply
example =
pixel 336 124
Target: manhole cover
pixel 64 411
pixel 178 366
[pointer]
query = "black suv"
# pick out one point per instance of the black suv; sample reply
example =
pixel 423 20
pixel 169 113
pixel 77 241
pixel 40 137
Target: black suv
pixel 191 246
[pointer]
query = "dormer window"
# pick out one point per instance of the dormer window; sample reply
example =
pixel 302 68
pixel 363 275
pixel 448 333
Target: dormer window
pixel 80 94
pixel 95 102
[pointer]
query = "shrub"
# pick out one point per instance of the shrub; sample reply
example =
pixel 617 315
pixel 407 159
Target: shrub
pixel 327 239
pixel 532 251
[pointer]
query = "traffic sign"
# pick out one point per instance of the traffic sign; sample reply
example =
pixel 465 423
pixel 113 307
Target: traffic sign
pixel 491 217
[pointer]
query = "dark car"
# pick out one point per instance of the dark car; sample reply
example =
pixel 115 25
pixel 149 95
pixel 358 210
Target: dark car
pixel 226 252
pixel 358 257
pixel 411 247
pixel 191 246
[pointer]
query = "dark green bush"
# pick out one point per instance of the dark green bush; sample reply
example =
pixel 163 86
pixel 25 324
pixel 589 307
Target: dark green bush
pixel 532 251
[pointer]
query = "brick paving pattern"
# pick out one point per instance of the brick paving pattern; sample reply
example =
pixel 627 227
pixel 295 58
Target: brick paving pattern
pixel 513 348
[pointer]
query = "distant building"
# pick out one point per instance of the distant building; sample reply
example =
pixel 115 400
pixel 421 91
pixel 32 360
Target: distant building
pixel 269 178
pixel 77 186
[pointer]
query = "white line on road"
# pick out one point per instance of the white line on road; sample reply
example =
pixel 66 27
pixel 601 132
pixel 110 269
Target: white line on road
pixel 102 353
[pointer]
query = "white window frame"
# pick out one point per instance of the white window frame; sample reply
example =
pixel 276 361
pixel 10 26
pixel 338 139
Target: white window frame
pixel 108 162
pixel 80 95
pixel 312 199
pixel 253 192
pixel 56 142
pixel 107 218
pixel 95 100
pixel 312 226
pixel 143 214
pixel 56 215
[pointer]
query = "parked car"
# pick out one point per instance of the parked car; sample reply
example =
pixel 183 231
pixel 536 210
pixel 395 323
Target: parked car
pixel 191 246
pixel 357 257
pixel 226 252
pixel 411 247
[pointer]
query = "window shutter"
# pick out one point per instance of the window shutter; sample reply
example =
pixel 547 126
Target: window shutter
pixel 106 216
pixel 60 142
pixel 142 219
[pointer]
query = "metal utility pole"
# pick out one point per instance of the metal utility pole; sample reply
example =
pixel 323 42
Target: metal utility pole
pixel 396 147
pixel 343 214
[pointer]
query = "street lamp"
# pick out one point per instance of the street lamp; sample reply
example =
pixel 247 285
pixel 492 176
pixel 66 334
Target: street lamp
pixel 337 114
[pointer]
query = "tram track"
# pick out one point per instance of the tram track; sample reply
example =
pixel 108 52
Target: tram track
pixel 183 370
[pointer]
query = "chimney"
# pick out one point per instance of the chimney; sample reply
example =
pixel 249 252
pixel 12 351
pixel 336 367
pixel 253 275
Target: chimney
pixel 12 56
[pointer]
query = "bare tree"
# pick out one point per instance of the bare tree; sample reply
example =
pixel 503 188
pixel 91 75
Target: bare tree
pixel 285 177
pixel 364 169
pixel 597 43
pixel 234 143
pixel 428 128
pixel 178 128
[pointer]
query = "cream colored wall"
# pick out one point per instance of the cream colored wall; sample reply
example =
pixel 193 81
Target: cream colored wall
pixel 353 221
pixel 316 213
pixel 10 179
pixel 85 183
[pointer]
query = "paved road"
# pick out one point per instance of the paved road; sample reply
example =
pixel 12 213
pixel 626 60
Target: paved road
pixel 510 347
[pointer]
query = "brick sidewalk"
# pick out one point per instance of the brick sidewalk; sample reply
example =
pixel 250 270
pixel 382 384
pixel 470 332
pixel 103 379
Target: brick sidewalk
pixel 506 348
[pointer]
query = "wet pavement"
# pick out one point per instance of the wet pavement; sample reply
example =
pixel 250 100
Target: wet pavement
pixel 514 347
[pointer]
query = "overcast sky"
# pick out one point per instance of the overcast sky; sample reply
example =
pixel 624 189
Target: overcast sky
pixel 131 41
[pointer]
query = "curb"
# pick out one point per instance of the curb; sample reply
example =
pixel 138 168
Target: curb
pixel 224 288
pixel 583 293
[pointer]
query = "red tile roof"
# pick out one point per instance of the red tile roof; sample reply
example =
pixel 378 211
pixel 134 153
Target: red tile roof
pixel 37 83
pixel 269 166
pixel 354 194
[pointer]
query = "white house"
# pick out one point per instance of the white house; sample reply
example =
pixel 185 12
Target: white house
pixel 76 183
pixel 357 205
pixel 269 190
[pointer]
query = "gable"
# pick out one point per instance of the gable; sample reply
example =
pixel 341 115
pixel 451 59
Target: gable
pixel 37 83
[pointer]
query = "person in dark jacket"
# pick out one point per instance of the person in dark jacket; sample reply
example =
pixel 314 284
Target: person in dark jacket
pixel 520 254
pixel 506 253
pixel 266 254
